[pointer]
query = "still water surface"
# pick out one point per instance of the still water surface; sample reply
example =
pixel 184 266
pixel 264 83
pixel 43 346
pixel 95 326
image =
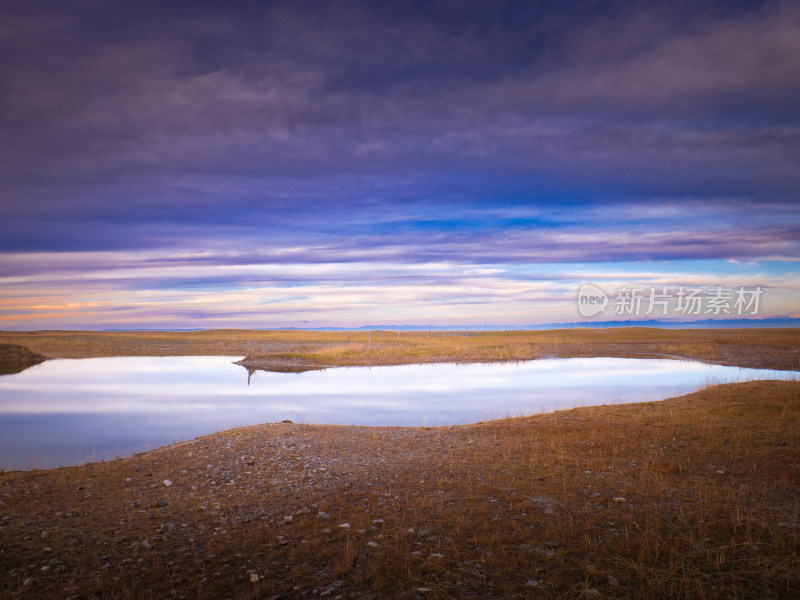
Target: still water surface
pixel 70 411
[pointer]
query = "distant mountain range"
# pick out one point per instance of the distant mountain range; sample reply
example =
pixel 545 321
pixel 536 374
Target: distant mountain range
pixel 662 324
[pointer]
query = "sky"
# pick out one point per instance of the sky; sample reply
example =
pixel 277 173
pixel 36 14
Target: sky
pixel 305 164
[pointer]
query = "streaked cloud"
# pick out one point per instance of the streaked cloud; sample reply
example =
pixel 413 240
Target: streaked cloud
pixel 194 163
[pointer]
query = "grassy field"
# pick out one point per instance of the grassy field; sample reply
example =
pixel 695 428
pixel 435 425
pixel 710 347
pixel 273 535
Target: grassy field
pixel 695 497
pixel 765 348
pixel 15 358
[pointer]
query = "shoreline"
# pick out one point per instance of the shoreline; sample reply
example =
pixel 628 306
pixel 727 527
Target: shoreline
pixel 289 366
pixel 308 511
pixel 106 454
pixel 752 348
pixel 696 495
pixel 499 414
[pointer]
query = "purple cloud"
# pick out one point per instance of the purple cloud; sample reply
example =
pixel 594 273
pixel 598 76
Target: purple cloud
pixel 471 133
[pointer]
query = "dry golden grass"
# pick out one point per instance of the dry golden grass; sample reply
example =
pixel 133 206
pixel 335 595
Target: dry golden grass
pixel 769 348
pixel 694 497
pixel 15 358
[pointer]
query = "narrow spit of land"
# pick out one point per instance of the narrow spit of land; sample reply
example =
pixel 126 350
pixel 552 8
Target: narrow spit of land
pixel 290 350
pixel 15 359
pixel 693 497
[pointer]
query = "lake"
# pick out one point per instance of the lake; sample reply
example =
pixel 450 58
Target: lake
pixel 72 411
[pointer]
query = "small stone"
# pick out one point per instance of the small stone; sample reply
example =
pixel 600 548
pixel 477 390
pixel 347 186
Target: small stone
pixel 372 544
pixel 531 583
pixel 437 555
pixel 344 526
pixel 619 499
pixel 543 552
pixel 48 549
pixel 28 581
pixel 167 483
pixel 423 590
pixel 329 589
pixel 146 545
pixel 378 521
pixel 323 515
pixel 612 581
pixel 254 578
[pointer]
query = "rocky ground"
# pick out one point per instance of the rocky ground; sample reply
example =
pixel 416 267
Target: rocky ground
pixel 695 497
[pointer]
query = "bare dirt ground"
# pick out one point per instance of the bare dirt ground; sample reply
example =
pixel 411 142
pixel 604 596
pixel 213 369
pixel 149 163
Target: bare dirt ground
pixel 694 497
